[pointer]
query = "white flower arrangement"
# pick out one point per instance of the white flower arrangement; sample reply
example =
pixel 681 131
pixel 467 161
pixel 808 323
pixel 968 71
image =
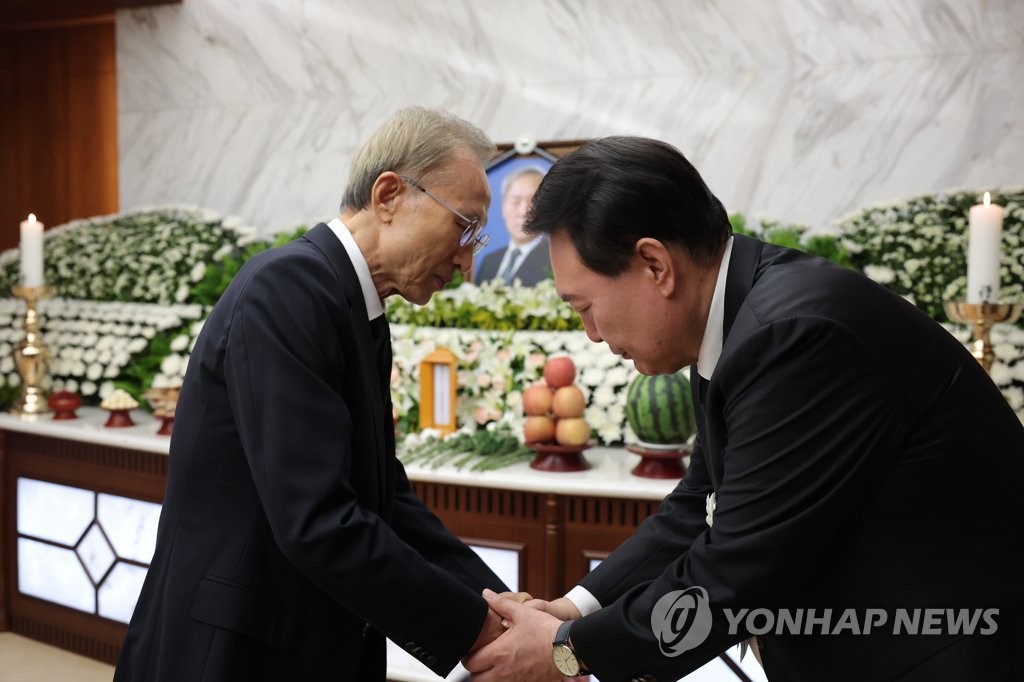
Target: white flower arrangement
pixel 171 262
pixel 96 346
pixel 174 262
pixel 495 366
pixel 144 255
pixel 918 247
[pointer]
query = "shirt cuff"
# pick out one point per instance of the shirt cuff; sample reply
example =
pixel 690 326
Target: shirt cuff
pixel 583 600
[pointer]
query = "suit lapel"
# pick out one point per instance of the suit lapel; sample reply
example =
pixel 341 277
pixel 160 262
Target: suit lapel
pixel 746 254
pixel 743 266
pixel 324 239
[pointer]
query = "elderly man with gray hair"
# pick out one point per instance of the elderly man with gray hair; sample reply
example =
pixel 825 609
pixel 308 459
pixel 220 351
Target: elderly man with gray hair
pixel 290 543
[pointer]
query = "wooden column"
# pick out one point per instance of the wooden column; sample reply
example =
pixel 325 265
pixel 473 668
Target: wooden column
pixel 58 122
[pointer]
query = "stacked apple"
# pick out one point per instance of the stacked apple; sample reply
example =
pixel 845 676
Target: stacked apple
pixel 554 408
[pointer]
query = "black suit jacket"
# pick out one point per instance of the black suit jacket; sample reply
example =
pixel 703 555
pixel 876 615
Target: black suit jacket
pixel 535 268
pixel 861 458
pixel 290 542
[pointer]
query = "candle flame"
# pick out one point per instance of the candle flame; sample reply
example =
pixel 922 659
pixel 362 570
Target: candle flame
pixel 32 217
pixel 988 199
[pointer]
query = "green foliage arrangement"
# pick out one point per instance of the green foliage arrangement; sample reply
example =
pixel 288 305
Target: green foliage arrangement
pixel 491 306
pixel 479 450
pixel 794 236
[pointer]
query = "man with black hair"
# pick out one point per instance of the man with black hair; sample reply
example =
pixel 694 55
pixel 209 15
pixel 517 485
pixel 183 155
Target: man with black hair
pixel 850 455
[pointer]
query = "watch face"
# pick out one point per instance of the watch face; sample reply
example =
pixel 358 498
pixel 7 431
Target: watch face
pixel 565 661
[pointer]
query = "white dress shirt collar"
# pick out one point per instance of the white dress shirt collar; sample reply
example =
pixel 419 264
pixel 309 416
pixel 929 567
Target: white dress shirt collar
pixel 714 330
pixel 374 308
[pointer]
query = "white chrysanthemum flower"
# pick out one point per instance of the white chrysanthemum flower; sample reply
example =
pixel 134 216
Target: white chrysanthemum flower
pixel 604 395
pixel 1001 374
pixel 591 377
pixel 610 432
pixel 221 253
pixel 880 273
pixel 171 365
pixel 619 375
pixel 179 343
pixel 88 388
pixel 94 372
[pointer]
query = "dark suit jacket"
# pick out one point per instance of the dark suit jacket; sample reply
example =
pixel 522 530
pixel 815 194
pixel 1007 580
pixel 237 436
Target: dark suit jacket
pixel 290 542
pixel 535 268
pixel 861 458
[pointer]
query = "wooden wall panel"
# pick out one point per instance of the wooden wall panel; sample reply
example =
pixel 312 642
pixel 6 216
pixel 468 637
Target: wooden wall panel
pixel 58 124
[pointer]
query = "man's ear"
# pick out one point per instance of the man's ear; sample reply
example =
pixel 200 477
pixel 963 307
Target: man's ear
pixel 659 266
pixel 384 195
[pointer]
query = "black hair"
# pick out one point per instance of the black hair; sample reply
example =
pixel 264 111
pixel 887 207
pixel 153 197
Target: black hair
pixel 613 191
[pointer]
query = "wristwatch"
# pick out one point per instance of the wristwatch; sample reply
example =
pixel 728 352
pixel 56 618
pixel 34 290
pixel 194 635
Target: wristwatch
pixel 563 655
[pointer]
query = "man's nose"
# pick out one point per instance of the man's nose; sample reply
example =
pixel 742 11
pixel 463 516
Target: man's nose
pixel 464 257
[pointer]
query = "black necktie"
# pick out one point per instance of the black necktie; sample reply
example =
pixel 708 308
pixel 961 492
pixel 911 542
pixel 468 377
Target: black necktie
pixel 510 269
pixel 381 332
pixel 382 350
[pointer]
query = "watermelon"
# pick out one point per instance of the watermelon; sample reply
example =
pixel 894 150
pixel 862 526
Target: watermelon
pixel 660 409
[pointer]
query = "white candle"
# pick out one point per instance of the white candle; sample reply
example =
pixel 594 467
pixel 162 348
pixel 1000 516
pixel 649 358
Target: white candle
pixel 984 251
pixel 31 252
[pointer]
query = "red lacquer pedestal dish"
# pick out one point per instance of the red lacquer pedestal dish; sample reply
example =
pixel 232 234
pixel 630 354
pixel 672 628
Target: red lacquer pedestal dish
pixel 119 419
pixel 562 458
pixel 64 404
pixel 659 463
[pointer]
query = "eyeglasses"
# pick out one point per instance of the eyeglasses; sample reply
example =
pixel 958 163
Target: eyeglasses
pixel 470 235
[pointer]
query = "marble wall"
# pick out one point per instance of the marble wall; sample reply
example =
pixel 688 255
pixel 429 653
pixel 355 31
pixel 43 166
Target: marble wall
pixel 799 110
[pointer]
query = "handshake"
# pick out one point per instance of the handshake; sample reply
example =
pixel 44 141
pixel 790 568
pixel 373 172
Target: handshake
pixel 516 638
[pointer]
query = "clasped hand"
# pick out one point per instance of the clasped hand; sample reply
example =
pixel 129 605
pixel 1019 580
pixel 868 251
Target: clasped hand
pixel 522 650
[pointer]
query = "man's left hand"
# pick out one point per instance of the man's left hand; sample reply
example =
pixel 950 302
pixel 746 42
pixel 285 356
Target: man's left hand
pixel 523 651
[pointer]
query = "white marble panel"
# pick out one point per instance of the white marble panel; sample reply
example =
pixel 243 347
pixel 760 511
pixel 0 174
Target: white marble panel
pixel 54 512
pixel 794 110
pixel 120 592
pixel 54 574
pixel 95 553
pixel 131 526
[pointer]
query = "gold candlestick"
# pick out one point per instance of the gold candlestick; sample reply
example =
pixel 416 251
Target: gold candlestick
pixel 981 317
pixel 32 356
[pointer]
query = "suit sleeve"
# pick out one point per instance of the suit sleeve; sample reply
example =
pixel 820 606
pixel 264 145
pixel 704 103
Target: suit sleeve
pixel 660 539
pixel 421 529
pixel 809 424
pixel 284 373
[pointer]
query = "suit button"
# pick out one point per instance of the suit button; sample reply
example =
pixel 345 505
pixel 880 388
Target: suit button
pixel 430 659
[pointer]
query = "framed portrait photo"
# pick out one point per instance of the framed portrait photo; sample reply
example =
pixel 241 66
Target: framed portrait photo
pixel 514 175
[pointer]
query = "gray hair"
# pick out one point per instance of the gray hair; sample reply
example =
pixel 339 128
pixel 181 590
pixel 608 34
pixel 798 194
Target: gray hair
pixel 412 142
pixel 518 173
